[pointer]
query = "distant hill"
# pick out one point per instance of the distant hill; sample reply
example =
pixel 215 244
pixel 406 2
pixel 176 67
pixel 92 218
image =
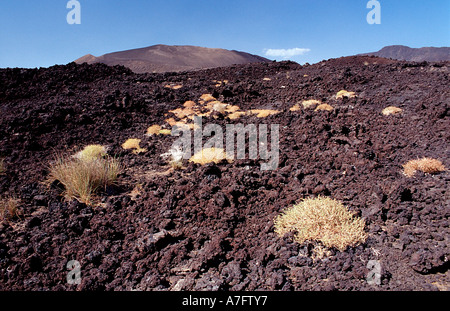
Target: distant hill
pixel 164 58
pixel 401 52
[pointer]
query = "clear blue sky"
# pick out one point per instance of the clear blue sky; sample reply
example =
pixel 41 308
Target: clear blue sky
pixel 36 33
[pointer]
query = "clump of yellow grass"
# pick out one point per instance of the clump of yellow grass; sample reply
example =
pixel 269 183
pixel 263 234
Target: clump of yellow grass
pixel 133 143
pixel 391 110
pixel 209 155
pixel 9 208
pixel 82 178
pixel 346 94
pixel 92 152
pixel 322 219
pixel 426 165
pixel 263 113
pixel 324 107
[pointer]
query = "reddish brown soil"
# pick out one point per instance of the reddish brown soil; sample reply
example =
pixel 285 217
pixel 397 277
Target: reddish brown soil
pixel 211 227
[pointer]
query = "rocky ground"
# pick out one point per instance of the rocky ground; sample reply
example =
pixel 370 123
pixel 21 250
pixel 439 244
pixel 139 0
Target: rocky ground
pixel 211 227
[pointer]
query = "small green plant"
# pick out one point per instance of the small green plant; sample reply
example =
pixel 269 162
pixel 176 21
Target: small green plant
pixel 321 219
pixel 82 179
pixel 9 208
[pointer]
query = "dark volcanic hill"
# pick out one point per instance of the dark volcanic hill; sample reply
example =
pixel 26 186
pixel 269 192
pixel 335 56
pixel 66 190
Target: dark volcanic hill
pixel 212 227
pixel 165 58
pixel 401 52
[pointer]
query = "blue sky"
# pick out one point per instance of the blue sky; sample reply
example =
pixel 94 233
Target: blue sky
pixel 36 33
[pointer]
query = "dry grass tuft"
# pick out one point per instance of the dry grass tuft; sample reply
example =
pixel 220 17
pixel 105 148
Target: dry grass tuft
pixel 426 165
pixel 219 107
pixel 209 155
pixel 344 93
pixel 173 86
pixel 307 104
pixel 296 107
pixel 165 132
pixel 157 130
pixel 133 143
pixel 391 110
pixel 9 208
pixel 82 179
pixel 322 219
pixel 92 152
pixel 236 115
pixel 324 107
pixel 207 97
pixel 153 130
pixel 263 113
pixel 189 104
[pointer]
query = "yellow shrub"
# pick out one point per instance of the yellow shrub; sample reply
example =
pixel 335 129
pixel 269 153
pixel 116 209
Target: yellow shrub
pixel 391 110
pixel 209 155
pixel 324 107
pixel 310 103
pixel 153 130
pixel 262 113
pixel 344 93
pixel 9 208
pixel 165 132
pixel 426 165
pixel 92 152
pixel 133 143
pixel 322 219
pixel 81 179
pixel 207 97
pixel 189 104
pixel 296 107
pixel 236 115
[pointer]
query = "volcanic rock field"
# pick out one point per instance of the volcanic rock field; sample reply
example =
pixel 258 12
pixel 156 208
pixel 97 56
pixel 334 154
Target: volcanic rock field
pixel 211 227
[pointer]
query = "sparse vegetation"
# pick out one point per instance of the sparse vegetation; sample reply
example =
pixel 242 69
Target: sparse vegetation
pixel 176 157
pixel 322 219
pixel 391 110
pixel 263 113
pixel 153 130
pixel 209 155
pixel 9 208
pixel 345 94
pixel 311 103
pixel 236 115
pixel 426 165
pixel 207 97
pixel 157 130
pixel 82 179
pixel 133 143
pixel 306 104
pixel 220 107
pixel 324 107
pixel 92 152
pixel 165 132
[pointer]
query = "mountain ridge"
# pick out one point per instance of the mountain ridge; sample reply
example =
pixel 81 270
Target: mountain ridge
pixel 163 58
pixel 402 52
